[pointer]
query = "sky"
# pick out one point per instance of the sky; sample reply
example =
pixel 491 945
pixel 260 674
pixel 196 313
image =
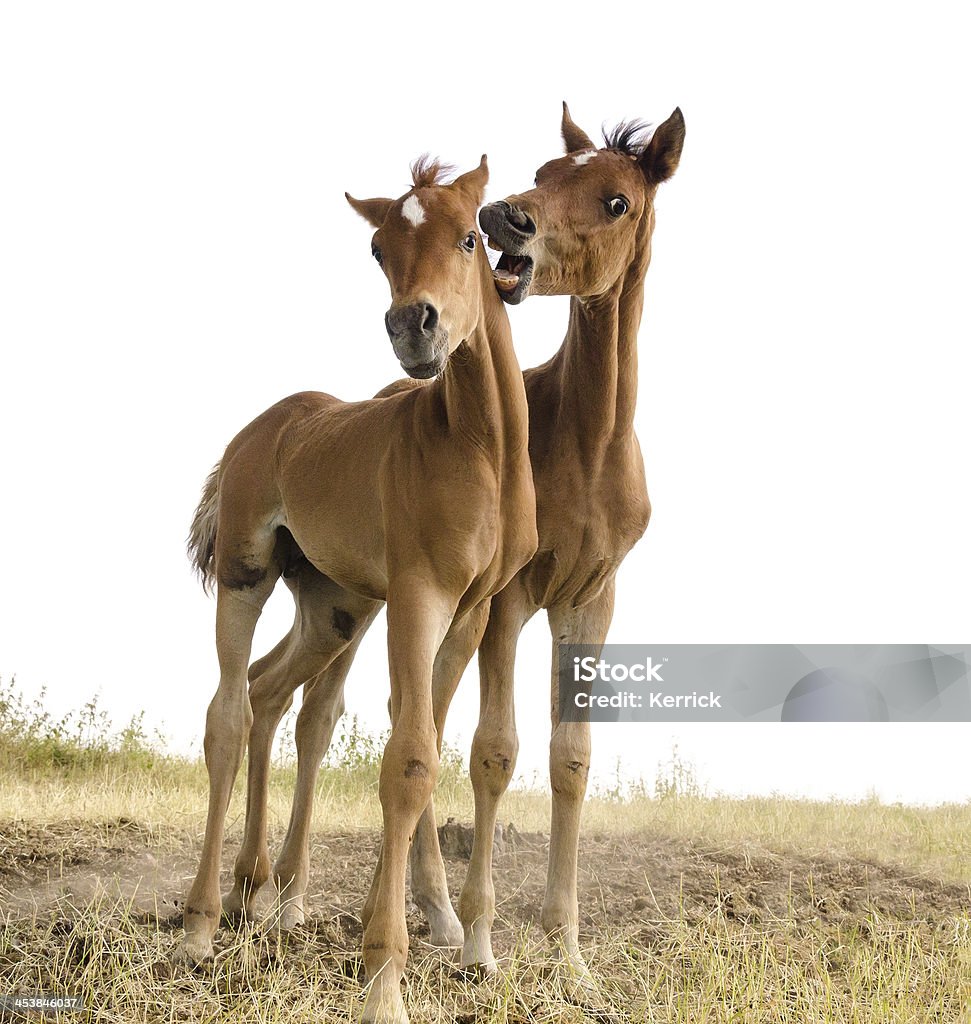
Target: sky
pixel 176 255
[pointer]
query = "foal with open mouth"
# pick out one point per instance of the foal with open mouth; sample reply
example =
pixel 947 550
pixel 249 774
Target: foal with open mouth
pixel 583 230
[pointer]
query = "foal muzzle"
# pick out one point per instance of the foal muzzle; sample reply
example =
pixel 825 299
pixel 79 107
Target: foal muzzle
pixel 511 230
pixel 418 339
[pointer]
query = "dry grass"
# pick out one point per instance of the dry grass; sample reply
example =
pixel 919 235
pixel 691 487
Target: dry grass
pixel 693 909
pixel 169 798
pixel 701 975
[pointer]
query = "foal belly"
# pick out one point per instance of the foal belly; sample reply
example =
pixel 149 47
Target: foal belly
pixel 352 557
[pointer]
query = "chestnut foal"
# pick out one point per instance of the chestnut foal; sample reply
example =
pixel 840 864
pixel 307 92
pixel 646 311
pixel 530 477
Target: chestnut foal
pixel 423 499
pixel 585 231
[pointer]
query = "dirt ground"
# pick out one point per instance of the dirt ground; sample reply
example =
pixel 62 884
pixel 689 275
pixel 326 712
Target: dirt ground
pixel 639 888
pixel 634 881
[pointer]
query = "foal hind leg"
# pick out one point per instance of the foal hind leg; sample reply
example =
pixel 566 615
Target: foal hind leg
pixel 323 704
pixel 318 635
pixel 272 682
pixel 246 575
pixel 569 767
pixel 429 885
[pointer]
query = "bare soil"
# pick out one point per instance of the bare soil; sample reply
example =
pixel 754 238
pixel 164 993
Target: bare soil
pixel 641 888
pixel 636 881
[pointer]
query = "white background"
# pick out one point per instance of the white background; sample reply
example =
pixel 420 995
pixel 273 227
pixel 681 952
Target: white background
pixel 176 254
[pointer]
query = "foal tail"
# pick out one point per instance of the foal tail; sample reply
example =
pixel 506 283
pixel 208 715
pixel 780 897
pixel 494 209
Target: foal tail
pixel 202 533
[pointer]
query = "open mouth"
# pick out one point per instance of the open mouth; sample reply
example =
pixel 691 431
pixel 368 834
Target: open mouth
pixel 514 269
pixel 512 274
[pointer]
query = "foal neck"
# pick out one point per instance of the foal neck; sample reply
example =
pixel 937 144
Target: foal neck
pixel 598 358
pixel 481 388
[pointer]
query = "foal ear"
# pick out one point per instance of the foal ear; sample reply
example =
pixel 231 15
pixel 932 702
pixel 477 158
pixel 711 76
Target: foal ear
pixel 372 210
pixel 662 154
pixel 473 183
pixel 574 138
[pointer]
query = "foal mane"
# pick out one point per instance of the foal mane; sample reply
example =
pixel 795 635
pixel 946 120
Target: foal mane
pixel 429 170
pixel 629 137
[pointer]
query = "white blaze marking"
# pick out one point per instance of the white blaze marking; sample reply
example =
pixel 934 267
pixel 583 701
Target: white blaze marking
pixel 581 158
pixel 412 211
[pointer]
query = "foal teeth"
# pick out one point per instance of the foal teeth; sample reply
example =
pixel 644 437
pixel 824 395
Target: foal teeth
pixel 506 281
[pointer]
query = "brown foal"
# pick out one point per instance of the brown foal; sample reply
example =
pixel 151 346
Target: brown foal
pixel 584 231
pixel 423 499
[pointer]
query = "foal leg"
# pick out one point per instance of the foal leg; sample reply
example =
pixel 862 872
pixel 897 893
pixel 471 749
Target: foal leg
pixel 492 762
pixel 323 704
pixel 306 650
pixel 321 628
pixel 418 619
pixel 569 767
pixel 429 886
pixel 428 882
pixel 271 689
pixel 227 728
pixel 273 679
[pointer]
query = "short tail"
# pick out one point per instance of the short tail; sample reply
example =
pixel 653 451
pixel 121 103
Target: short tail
pixel 202 534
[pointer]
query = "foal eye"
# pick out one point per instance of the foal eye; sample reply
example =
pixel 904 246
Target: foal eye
pixel 376 253
pixel 468 243
pixel 617 206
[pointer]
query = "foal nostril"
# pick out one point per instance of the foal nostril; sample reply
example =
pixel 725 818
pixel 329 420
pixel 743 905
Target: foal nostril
pixel 429 318
pixel 520 220
pixel 419 318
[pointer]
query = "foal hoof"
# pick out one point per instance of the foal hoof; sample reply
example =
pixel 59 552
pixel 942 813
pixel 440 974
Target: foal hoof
pixel 192 951
pixel 284 920
pixel 235 912
pixel 235 919
pixel 577 984
pixel 477 958
pixel 444 927
pixel 447 933
pixel 291 917
pixel 384 1006
pixel 478 972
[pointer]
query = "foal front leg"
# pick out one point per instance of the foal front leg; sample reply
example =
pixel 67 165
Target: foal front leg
pixel 569 768
pixel 491 765
pixel 429 885
pixel 418 619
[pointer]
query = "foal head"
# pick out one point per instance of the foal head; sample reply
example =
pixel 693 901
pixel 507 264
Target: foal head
pixel 589 216
pixel 431 253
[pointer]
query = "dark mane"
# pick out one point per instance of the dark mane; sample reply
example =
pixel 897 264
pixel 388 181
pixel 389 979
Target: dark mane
pixel 628 137
pixel 429 170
